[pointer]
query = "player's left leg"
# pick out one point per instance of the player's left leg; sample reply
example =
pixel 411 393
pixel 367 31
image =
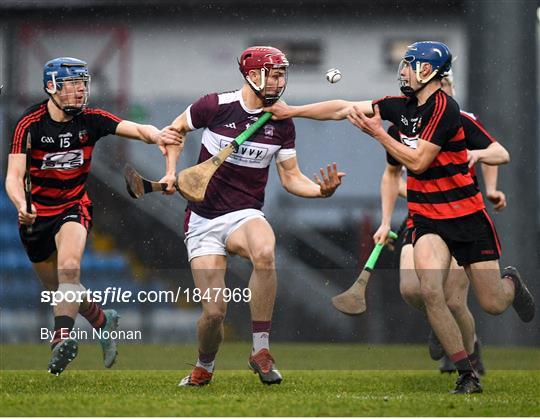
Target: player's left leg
pixel 480 258
pixel 496 293
pixel 456 292
pixel 209 277
pixel 70 242
pixel 409 286
pixel 107 320
pixel 432 259
pixel 255 240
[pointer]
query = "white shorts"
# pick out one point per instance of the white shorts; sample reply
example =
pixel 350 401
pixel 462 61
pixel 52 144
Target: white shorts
pixel 209 236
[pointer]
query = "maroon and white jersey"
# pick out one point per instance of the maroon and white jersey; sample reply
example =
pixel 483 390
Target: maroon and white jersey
pixel 240 181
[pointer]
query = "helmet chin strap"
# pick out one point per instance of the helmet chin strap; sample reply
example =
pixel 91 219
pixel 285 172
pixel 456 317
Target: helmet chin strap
pixel 267 101
pixel 409 91
pixel 68 110
pixel 258 89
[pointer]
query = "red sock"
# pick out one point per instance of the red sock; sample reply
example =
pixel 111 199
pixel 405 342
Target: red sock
pixel 258 326
pixel 94 314
pixel 207 358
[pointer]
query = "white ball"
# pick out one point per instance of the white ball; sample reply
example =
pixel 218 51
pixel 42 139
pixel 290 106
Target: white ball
pixel 333 75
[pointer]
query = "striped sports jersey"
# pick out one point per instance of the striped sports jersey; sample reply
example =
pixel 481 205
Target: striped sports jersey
pixel 446 189
pixel 61 154
pixel 240 181
pixel 476 138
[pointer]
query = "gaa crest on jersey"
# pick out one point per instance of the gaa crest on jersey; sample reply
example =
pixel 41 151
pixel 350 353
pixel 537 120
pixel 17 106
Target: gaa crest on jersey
pixel 269 130
pixel 404 121
pixel 83 136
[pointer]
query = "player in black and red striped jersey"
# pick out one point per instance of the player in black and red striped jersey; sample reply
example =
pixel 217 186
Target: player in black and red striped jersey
pixel 64 132
pixel 479 144
pixel 448 211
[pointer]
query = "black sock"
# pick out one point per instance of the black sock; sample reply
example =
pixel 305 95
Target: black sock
pixel 462 362
pixel 62 327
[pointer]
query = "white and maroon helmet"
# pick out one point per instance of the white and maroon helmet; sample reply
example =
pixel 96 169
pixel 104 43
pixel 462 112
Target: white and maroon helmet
pixel 263 59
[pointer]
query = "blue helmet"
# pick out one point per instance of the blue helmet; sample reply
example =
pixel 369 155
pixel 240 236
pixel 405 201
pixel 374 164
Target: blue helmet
pixel 435 53
pixel 62 70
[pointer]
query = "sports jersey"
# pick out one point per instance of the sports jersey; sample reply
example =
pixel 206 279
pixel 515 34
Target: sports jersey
pixel 61 154
pixel 476 138
pixel 446 188
pixel 240 181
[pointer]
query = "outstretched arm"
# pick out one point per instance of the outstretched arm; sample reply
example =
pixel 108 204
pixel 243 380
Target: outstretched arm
pixel 329 110
pixel 181 127
pixel 149 134
pixel 296 183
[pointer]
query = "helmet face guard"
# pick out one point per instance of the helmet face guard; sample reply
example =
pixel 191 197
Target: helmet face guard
pixel 70 83
pixel 264 59
pixel 268 98
pixel 436 54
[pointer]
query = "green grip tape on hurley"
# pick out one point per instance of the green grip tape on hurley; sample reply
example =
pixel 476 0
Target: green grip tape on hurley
pixel 252 128
pixel 372 260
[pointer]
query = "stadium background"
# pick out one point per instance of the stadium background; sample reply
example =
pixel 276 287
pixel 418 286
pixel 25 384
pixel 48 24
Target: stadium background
pixel 149 62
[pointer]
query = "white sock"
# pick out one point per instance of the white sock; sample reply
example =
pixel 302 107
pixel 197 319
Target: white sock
pixel 260 341
pixel 208 366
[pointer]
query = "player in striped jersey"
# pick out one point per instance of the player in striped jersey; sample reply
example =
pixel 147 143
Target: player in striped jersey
pixel 479 143
pixel 63 134
pixel 447 208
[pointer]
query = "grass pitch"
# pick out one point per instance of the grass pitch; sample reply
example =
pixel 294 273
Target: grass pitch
pixel 322 379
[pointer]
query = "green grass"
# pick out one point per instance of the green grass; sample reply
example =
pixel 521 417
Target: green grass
pixel 313 384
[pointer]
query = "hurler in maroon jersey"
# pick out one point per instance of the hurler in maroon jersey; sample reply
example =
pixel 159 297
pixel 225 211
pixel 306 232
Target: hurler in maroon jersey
pixel 229 220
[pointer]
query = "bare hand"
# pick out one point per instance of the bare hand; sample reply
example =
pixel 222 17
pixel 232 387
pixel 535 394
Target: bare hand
pixel 25 217
pixel 381 235
pixel 371 126
pixel 168 137
pixel 330 182
pixel 170 180
pixel 498 199
pixel 279 110
pixel 472 157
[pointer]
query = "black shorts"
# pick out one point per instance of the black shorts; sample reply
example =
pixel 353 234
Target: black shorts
pixel 471 239
pixel 41 244
pixel 407 237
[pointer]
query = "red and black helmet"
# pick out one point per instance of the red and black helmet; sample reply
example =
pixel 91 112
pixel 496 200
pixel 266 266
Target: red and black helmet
pixel 264 59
